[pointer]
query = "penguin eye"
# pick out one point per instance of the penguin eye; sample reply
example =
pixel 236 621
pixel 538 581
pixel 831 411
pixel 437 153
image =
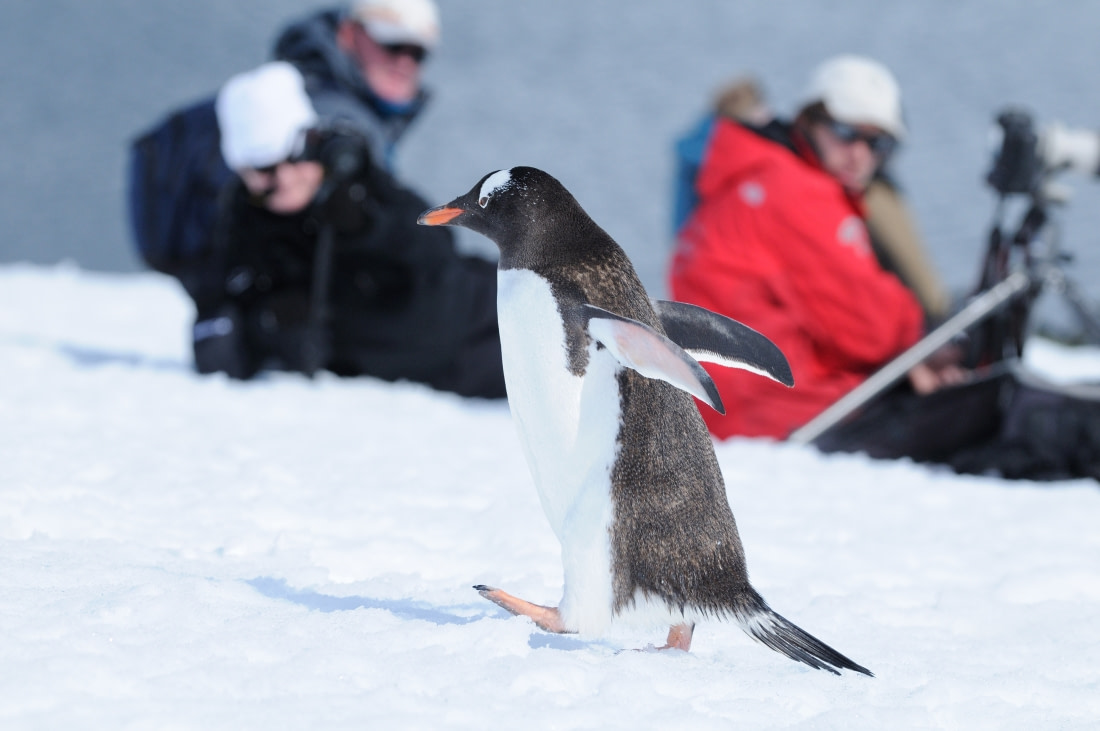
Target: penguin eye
pixel 493 183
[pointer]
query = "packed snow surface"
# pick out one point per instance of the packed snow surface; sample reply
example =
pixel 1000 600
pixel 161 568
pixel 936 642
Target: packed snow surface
pixel 190 552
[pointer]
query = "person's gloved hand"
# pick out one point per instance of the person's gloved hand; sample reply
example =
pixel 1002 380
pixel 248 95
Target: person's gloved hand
pixel 1076 149
pixel 942 368
pixel 220 344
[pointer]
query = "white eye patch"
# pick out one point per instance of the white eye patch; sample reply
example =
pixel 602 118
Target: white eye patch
pixel 493 183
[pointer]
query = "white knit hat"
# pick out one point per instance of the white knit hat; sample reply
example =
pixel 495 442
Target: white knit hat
pixel 857 90
pixel 399 21
pixel 263 115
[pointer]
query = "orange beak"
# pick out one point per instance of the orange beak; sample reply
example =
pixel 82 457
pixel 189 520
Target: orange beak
pixel 439 216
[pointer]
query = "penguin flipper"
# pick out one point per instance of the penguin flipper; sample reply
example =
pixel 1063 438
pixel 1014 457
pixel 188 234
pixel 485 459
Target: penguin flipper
pixel 712 338
pixel 639 347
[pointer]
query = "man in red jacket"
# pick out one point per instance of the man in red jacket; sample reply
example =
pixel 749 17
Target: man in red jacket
pixel 778 242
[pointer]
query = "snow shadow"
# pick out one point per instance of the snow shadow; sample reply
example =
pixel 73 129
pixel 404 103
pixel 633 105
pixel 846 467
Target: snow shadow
pixel 543 640
pixel 94 357
pixel 86 356
pixel 278 589
pixel 405 609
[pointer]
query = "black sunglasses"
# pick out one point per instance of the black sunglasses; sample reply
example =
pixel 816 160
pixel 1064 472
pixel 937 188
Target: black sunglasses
pixel 413 51
pixel 882 144
pixel 270 169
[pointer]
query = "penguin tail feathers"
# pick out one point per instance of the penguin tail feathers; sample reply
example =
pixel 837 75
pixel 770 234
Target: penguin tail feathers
pixel 783 636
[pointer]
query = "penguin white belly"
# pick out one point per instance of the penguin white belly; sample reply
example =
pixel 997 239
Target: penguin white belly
pixel 568 426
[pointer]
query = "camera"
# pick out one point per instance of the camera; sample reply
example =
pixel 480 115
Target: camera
pixel 1026 156
pixel 1018 166
pixel 341 150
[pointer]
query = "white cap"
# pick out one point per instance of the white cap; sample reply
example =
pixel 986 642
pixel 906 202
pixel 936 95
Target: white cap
pixel 399 21
pixel 262 116
pixel 857 90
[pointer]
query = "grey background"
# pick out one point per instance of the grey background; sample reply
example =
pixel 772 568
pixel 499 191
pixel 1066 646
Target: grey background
pixel 593 92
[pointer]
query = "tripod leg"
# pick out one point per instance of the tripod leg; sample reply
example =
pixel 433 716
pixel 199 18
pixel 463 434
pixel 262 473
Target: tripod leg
pixel 1090 320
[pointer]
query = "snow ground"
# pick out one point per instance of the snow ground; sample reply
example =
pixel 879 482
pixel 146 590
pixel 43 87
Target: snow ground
pixel 180 552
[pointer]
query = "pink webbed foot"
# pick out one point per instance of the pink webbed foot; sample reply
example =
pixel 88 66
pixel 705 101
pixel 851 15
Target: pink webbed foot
pixel 679 637
pixel 547 618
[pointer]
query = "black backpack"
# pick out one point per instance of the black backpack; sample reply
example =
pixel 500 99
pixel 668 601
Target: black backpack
pixel 176 178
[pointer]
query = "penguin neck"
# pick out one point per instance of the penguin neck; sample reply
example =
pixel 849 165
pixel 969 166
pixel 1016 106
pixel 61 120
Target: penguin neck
pixel 549 247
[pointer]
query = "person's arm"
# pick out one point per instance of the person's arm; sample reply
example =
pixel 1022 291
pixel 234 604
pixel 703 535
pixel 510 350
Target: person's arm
pixel 899 246
pixel 218 335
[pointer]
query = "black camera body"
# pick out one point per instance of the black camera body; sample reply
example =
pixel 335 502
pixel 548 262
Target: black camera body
pixel 342 151
pixel 1017 165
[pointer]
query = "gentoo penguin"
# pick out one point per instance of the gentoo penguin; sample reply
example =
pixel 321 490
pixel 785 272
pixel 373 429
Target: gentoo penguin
pixel 598 380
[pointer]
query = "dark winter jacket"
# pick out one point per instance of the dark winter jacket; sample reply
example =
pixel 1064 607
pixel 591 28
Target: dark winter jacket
pixel 336 86
pixel 398 301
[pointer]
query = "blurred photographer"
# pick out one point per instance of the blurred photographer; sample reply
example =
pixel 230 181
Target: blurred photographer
pixel 363 64
pixel 778 240
pixel 894 234
pixel 323 264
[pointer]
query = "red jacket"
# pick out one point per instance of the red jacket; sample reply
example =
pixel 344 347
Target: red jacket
pixel 776 244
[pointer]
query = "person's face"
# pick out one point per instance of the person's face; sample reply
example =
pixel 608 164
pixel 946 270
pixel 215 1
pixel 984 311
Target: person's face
pixel 851 153
pixel 392 72
pixel 286 188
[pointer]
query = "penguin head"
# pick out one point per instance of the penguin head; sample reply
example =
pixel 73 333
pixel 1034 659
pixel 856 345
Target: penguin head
pixel 511 207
